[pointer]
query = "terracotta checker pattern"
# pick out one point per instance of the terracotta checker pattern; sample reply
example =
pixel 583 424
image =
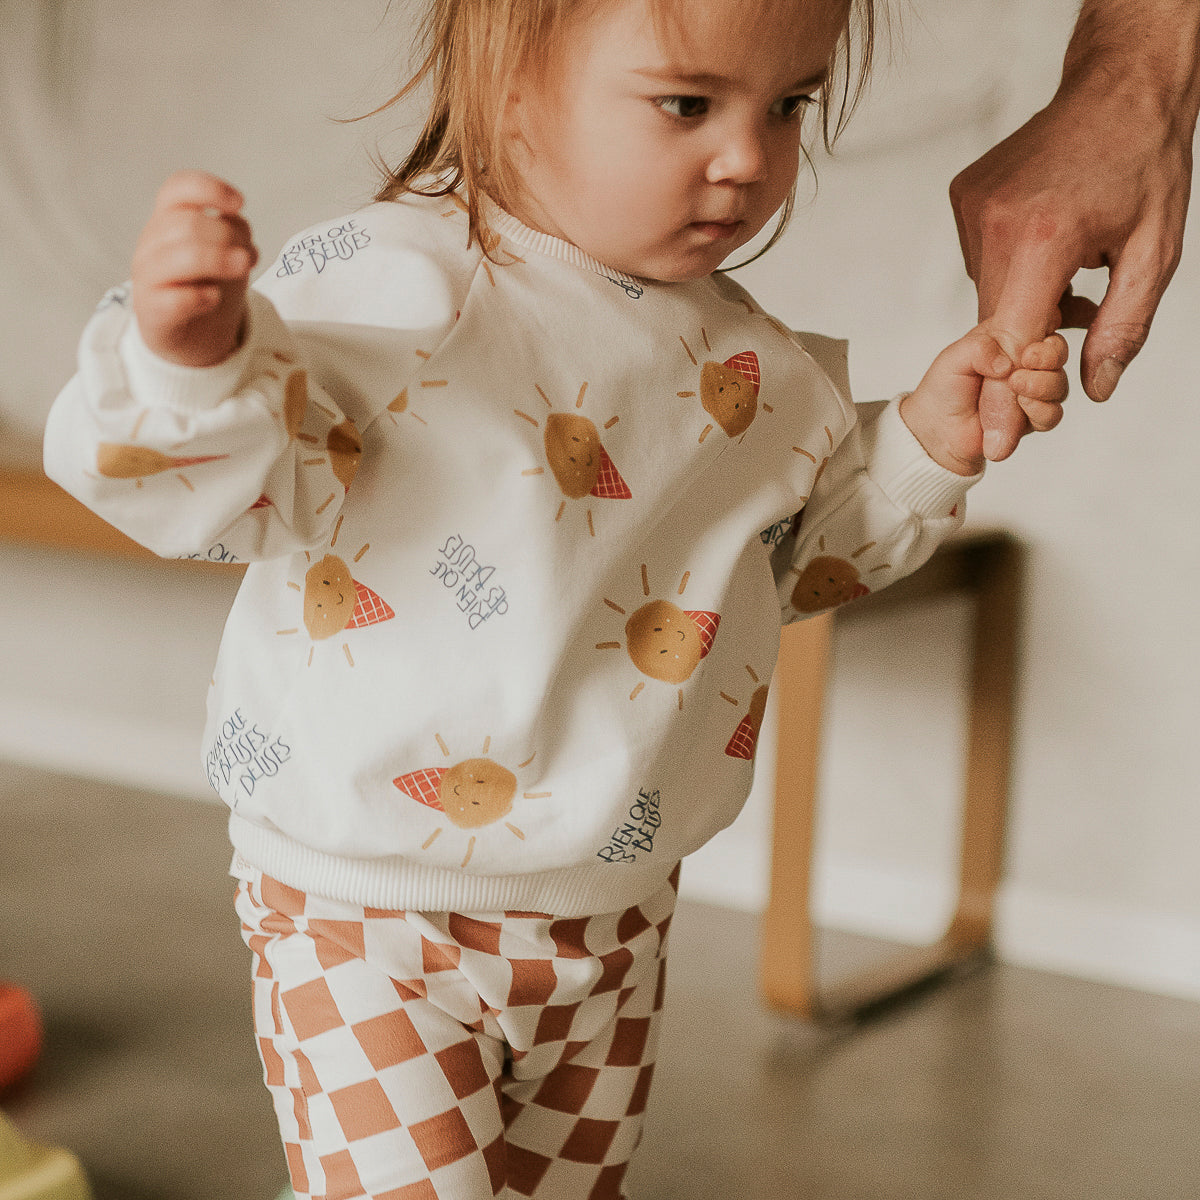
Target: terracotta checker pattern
pixel 418 1056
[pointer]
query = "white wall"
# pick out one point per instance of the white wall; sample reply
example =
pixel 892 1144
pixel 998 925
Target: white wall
pixel 106 664
pixel 1103 874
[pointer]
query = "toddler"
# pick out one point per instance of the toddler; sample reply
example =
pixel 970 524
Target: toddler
pixel 525 486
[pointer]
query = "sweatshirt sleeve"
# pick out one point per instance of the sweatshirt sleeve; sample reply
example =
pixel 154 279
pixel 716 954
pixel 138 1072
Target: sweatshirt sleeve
pixel 250 454
pixel 879 508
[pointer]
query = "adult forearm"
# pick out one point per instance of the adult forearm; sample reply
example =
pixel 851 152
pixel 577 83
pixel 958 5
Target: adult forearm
pixel 1100 177
pixel 1146 50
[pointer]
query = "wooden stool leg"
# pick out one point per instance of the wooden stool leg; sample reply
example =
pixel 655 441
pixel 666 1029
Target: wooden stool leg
pixel 788 975
pixel 989 742
pixel 988 569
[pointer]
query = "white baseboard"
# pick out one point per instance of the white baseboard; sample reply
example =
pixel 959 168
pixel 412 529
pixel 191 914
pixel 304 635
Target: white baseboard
pixel 1142 948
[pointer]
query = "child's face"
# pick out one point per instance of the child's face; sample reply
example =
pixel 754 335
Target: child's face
pixel 660 156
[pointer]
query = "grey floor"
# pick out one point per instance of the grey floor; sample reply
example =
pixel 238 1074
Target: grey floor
pixel 1006 1085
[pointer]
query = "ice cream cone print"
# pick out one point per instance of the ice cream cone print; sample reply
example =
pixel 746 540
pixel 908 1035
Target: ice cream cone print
pixel 135 462
pixel 609 484
pixel 580 464
pixel 334 600
pixel 746 365
pixel 663 640
pixel 706 626
pixel 728 390
pixel 473 793
pixel 573 451
pixel 345 450
pixel 744 742
pixel 826 582
pixel 423 786
pixel 369 609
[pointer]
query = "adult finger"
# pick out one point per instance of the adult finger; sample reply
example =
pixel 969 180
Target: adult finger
pixel 1024 291
pixel 1136 283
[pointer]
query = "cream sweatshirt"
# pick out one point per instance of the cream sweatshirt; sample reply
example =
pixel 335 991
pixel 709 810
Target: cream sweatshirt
pixel 521 532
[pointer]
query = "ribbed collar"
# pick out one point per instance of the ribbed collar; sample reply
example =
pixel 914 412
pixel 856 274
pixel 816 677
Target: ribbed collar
pixel 507 226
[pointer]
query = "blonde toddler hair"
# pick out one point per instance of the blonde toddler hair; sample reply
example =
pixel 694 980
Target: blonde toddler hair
pixel 474 49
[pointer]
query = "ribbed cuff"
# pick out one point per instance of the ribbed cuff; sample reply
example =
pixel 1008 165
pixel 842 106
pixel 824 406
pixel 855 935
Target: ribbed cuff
pixel 155 382
pixel 906 473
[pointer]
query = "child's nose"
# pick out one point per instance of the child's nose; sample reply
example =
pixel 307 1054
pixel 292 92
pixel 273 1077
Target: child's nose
pixel 741 157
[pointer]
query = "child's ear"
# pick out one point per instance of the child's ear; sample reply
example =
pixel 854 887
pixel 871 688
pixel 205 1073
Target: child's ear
pixel 514 122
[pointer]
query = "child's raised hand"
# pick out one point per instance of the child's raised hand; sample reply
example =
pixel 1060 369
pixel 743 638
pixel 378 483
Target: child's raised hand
pixel 943 412
pixel 191 269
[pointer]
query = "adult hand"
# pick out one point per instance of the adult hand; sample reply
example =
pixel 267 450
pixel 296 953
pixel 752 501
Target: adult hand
pixel 1099 178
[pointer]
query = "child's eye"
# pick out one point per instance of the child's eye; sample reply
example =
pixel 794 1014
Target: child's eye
pixel 688 107
pixel 789 106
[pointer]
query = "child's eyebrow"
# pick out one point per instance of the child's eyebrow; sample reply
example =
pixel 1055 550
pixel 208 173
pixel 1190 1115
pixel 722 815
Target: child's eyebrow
pixel 712 79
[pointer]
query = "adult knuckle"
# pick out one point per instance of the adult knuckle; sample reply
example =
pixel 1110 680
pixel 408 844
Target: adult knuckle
pixel 962 193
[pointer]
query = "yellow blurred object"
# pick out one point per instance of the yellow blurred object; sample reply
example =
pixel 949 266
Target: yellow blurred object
pixel 29 1172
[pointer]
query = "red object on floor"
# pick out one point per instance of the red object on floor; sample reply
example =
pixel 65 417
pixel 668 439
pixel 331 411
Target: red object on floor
pixel 20 1034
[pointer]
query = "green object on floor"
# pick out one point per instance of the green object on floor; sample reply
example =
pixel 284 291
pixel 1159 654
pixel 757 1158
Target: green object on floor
pixel 286 1194
pixel 29 1172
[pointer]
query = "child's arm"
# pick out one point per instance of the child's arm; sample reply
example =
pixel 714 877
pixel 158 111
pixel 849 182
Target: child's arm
pixel 943 411
pixel 194 424
pixel 895 485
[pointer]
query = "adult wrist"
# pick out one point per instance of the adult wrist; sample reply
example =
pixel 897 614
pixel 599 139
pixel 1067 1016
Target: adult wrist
pixel 1137 53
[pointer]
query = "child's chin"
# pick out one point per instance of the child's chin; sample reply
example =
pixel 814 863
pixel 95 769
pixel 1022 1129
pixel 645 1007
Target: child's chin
pixel 683 272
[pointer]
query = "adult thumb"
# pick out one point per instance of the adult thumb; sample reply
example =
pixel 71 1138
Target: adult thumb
pixel 1136 284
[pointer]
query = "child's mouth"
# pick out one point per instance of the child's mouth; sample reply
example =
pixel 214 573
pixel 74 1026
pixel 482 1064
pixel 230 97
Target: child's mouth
pixel 717 230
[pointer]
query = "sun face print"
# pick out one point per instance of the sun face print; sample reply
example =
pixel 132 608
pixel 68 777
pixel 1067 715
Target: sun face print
pixel 401 404
pixel 663 640
pixel 820 463
pixel 136 462
pixel 342 444
pixel 728 390
pixel 578 461
pixel 473 793
pixel 489 241
pixel 744 741
pixel 334 601
pixel 828 581
pixel 117 460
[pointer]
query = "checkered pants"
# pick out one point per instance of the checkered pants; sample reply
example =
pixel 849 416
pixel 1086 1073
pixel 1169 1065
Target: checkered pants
pixel 438 1056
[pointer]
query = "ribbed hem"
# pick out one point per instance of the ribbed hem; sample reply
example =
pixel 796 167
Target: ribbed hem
pixel 155 382
pixel 906 473
pixel 396 883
